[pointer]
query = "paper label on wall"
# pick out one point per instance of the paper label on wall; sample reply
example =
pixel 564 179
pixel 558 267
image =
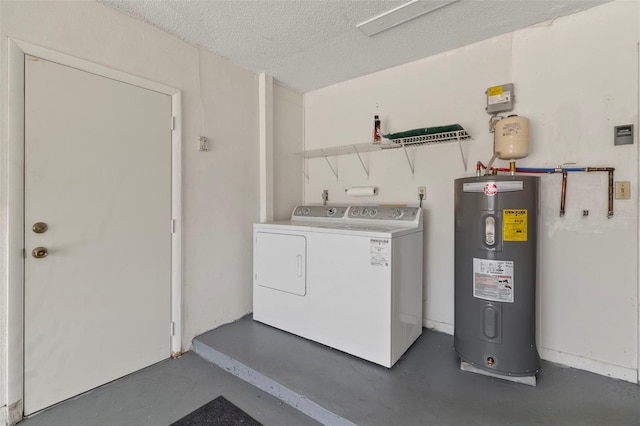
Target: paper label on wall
pixel 493 280
pixel 380 253
pixel 514 225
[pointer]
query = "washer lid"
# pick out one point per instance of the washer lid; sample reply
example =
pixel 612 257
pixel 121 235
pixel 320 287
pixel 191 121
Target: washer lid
pixel 365 229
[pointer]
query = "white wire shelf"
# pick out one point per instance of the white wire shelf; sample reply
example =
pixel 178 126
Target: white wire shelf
pixel 436 138
pixel 386 144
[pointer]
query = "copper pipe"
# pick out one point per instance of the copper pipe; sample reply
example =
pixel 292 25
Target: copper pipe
pixel 512 169
pixel 610 213
pixel 610 170
pixel 599 169
pixel 563 197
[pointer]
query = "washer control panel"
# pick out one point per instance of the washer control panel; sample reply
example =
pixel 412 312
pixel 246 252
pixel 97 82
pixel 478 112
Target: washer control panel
pixel 315 212
pixel 407 214
pixel 400 214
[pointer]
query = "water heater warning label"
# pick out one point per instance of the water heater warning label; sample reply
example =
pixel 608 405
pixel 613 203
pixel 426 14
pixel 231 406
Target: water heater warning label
pixel 493 280
pixel 514 225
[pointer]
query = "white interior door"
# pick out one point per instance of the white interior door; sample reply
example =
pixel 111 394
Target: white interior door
pixel 98 173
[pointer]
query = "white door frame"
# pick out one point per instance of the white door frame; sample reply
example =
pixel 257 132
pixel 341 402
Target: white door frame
pixel 637 141
pixel 15 204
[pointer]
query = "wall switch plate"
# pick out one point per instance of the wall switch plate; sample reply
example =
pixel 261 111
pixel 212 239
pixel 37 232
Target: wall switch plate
pixel 623 190
pixel 203 144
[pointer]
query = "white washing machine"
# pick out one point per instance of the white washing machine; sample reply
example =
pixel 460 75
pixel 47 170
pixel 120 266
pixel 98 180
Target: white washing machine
pixel 346 277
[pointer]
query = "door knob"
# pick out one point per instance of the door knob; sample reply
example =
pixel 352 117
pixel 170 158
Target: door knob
pixel 39 227
pixel 39 252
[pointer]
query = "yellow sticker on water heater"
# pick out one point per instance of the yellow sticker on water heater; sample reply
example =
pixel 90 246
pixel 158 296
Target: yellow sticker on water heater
pixel 514 225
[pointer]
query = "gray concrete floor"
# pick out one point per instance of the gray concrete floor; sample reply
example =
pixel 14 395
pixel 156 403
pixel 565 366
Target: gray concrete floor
pixel 425 387
pixel 163 393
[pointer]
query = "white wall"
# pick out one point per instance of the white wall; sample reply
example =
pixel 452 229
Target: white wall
pixel 287 142
pixel 575 78
pixel 220 187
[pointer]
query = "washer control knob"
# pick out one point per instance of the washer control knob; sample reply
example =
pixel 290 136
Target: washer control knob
pixel 355 212
pixel 331 211
pixel 365 212
pixel 373 212
pixel 306 211
pixel 397 213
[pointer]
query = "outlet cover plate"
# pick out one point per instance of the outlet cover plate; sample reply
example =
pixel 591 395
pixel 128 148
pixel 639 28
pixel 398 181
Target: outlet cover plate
pixel 623 190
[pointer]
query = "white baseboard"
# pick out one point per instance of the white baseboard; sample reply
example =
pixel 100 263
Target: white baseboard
pixel 569 360
pixel 438 326
pixel 13 413
pixel 595 366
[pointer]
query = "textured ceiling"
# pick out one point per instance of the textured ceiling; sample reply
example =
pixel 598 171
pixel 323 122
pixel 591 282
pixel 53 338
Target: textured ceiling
pixel 309 44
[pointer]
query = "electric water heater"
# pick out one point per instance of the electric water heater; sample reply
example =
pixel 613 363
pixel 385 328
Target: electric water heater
pixel 495 273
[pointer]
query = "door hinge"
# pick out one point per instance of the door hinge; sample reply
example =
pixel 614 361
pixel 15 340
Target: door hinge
pixel 173 123
pixel 24 253
pixel 173 226
pixel 173 328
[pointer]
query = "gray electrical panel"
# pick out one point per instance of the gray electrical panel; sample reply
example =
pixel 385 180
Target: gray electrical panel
pixel 500 98
pixel 495 273
pixel 623 135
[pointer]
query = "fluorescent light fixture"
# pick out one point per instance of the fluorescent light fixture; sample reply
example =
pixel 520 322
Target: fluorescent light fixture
pixel 400 15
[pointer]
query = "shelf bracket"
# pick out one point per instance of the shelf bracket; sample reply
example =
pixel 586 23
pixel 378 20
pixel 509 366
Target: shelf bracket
pixel 335 173
pixel 411 165
pixel 464 160
pixel 361 162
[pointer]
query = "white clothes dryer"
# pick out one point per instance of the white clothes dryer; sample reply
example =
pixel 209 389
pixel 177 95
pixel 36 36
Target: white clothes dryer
pixel 349 278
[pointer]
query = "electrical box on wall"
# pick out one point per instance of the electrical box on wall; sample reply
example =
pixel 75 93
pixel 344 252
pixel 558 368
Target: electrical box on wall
pixel 623 135
pixel 500 98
